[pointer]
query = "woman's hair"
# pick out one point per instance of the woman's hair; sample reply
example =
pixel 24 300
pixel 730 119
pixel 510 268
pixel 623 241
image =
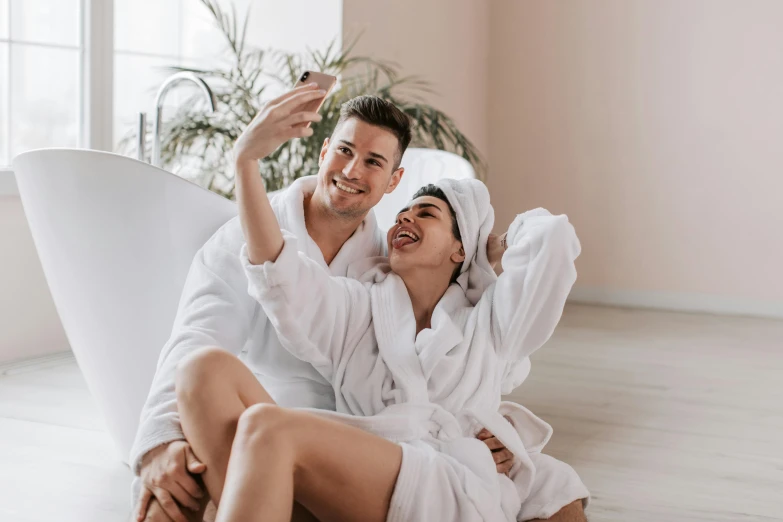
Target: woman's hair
pixel 435 192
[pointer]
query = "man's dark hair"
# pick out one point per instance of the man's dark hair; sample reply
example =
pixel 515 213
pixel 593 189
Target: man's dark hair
pixel 381 113
pixel 435 192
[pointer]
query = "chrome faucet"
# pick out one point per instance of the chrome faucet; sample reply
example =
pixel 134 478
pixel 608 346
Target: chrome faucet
pixel 164 89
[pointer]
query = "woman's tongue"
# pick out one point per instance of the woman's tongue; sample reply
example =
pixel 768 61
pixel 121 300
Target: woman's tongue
pixel 401 241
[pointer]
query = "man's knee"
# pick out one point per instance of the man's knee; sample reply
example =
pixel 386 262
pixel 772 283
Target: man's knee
pixel 196 370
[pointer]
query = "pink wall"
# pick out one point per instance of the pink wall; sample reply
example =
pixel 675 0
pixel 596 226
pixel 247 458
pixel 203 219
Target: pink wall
pixel 657 126
pixel 442 41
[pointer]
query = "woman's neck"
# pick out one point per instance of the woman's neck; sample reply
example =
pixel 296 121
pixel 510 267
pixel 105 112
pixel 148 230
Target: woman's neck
pixel 425 290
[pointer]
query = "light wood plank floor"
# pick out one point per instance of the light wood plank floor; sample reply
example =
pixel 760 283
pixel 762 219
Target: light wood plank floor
pixel 673 417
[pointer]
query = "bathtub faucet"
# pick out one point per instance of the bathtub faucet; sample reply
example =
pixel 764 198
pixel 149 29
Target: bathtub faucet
pixel 170 82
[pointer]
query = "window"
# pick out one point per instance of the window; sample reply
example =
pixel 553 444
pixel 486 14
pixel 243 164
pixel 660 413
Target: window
pixel 41 57
pixel 76 73
pixel 150 35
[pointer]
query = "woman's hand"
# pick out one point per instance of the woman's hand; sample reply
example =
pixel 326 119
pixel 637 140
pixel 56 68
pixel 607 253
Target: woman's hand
pixel 279 121
pixel 496 246
pixel 504 459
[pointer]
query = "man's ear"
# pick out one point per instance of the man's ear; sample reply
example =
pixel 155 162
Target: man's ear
pixel 324 149
pixel 395 179
pixel 459 255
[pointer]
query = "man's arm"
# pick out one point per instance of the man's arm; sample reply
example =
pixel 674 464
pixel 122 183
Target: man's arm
pixel 307 306
pixel 279 121
pixel 216 282
pixel 214 310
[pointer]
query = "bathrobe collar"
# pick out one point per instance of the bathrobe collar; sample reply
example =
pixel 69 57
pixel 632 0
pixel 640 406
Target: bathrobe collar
pixel 411 358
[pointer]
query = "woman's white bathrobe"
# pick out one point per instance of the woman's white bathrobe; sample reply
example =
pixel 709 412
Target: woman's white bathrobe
pixel 215 310
pixel 433 392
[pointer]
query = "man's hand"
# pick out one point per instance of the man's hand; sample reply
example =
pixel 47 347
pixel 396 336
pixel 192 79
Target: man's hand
pixel 166 477
pixel 279 121
pixel 496 245
pixel 155 513
pixel 504 459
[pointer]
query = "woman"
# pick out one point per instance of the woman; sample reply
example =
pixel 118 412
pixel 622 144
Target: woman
pixel 418 352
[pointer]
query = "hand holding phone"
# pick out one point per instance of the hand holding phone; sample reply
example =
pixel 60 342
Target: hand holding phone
pixel 278 121
pixel 325 82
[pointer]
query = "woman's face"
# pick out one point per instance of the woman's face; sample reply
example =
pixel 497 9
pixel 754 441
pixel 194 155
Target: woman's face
pixel 422 238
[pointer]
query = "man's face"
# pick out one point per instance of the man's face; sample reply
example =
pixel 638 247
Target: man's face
pixel 357 168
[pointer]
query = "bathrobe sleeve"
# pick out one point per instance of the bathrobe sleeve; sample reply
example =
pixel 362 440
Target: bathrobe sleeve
pixel 318 317
pixel 529 296
pixel 214 310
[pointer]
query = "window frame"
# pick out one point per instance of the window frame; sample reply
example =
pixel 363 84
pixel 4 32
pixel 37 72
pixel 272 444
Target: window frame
pixel 96 62
pixel 98 74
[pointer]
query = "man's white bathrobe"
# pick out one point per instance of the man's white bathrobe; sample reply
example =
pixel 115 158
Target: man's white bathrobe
pixel 433 392
pixel 216 310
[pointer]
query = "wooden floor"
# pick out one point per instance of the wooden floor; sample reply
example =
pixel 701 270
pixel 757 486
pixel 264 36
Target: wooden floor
pixel 667 417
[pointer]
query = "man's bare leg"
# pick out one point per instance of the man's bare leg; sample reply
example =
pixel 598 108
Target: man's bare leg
pixel 573 512
pixel 338 472
pixel 214 388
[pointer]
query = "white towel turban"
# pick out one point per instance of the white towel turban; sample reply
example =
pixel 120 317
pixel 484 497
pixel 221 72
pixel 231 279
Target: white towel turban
pixel 475 218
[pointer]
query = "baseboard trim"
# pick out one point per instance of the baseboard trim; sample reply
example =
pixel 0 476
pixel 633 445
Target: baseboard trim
pixel 36 363
pixel 677 302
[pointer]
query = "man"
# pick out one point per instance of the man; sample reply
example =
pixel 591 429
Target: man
pixel 331 216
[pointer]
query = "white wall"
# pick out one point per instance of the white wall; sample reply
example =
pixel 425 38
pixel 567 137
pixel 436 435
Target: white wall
pixel 657 126
pixel 29 325
pixel 295 25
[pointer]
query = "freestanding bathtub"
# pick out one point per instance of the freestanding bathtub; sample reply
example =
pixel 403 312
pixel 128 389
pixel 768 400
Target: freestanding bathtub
pixel 115 237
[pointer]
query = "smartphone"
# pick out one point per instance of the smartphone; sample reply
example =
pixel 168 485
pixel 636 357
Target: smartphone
pixel 324 81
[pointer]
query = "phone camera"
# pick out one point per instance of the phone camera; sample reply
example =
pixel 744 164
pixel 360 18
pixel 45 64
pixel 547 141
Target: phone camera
pixel 305 76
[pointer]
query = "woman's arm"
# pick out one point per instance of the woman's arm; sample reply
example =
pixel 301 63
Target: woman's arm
pixel 318 317
pixel 538 273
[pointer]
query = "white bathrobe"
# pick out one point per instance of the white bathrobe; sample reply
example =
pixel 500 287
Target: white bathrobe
pixel 433 392
pixel 216 310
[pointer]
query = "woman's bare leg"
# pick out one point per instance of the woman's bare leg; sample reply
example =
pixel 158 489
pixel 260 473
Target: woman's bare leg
pixel 214 388
pixel 338 472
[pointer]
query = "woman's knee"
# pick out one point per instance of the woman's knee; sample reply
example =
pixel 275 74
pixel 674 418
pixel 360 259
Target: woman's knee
pixel 198 369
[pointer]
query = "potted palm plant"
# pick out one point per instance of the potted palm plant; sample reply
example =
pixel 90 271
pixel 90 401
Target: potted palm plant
pixel 198 144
